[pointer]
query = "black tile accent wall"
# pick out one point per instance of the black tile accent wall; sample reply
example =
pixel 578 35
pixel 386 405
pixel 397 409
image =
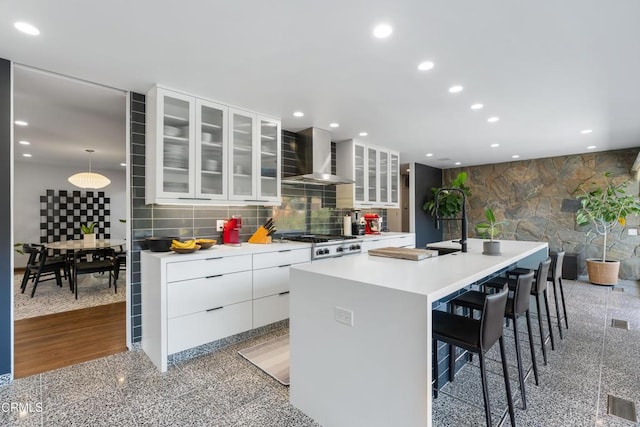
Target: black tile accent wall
pixel 62 214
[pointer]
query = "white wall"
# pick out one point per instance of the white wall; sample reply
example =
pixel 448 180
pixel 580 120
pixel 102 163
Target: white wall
pixel 32 181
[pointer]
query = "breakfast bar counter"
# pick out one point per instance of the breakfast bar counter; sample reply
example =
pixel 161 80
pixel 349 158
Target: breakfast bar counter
pixel 360 331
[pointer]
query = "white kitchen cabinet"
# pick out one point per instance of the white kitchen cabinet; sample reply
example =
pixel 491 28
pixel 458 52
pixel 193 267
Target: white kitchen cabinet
pixel 271 284
pixel 376 172
pixel 202 152
pixel 254 143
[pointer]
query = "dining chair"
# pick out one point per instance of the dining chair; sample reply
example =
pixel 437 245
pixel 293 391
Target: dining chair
pixel 93 261
pixel 41 267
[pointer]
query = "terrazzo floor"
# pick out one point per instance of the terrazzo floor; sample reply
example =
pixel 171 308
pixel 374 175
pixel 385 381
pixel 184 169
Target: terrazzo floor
pixel 220 388
pixel 49 298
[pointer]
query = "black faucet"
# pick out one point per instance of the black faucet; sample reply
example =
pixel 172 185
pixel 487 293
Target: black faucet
pixel 463 219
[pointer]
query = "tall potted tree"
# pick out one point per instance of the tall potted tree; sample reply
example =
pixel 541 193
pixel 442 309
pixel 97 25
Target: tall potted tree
pixel 605 207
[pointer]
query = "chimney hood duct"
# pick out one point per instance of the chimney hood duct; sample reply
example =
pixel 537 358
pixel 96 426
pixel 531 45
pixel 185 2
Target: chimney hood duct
pixel 313 159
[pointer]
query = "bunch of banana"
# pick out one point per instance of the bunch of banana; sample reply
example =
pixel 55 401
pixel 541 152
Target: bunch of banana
pixel 189 244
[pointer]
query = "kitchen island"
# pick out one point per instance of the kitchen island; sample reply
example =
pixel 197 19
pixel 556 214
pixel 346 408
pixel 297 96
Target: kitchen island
pixel 360 331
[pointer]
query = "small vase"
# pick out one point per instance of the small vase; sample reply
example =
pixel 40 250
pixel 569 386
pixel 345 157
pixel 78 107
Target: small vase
pixel 89 239
pixel 491 248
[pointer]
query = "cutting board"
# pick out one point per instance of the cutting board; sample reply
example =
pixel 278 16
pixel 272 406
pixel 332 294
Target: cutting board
pixel 404 253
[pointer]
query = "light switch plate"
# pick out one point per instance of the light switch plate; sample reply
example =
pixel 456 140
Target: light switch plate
pixel 633 232
pixel 344 315
pixel 219 224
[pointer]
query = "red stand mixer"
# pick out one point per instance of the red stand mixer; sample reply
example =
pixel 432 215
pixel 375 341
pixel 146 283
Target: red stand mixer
pixel 372 223
pixel 231 231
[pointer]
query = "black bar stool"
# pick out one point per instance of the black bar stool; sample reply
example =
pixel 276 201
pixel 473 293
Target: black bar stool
pixel 538 289
pixel 555 277
pixel 476 336
pixel 516 307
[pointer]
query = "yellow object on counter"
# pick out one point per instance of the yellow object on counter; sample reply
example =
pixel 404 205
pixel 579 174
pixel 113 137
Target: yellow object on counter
pixel 260 236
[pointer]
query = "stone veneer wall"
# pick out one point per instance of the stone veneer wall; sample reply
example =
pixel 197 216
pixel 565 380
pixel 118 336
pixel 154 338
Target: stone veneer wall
pixel 536 198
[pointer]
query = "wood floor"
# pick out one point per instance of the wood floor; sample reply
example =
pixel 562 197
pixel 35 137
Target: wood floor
pixel 49 342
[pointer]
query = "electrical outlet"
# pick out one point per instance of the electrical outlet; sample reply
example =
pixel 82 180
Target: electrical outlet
pixel 219 224
pixel 633 232
pixel 344 316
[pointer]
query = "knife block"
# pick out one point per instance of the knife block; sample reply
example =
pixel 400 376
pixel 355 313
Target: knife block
pixel 260 236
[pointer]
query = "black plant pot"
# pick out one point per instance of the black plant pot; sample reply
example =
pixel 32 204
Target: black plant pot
pixel 159 244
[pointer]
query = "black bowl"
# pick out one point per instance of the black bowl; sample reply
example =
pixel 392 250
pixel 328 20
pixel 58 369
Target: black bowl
pixel 159 244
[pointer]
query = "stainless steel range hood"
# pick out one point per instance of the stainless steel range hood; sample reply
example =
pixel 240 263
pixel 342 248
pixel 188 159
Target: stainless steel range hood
pixel 313 159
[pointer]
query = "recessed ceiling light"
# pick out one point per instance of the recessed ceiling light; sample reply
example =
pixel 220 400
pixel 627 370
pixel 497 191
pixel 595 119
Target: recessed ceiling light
pixel 363 134
pixel 26 155
pixel 21 123
pixel 408 170
pixel 591 147
pixel 586 131
pixel 334 125
pixel 123 164
pixel 26 28
pixel 477 106
pixel 25 143
pixel 382 31
pixel 457 163
pixel 515 156
pixel 495 145
pixel 455 89
pixel 493 119
pixel 425 65
pixel 429 154
pixel 298 114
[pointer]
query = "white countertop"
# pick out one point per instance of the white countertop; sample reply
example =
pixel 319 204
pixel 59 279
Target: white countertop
pixel 228 250
pixel 434 277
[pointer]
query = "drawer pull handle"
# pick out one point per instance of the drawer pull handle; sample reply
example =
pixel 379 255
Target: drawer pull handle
pixel 214 309
pixel 194 198
pixel 286 265
pixel 210 259
pixel 283 293
pixel 215 275
pixel 285 250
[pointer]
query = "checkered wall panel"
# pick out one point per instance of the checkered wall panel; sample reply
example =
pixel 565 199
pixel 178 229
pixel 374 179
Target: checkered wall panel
pixel 62 214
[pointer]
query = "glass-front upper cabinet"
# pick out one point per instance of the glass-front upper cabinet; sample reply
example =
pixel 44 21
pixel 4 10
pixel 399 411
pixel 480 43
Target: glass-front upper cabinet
pixel 241 155
pixel 395 179
pixel 359 173
pixel 383 175
pixel 211 150
pixel 175 153
pixel 372 170
pixel 268 170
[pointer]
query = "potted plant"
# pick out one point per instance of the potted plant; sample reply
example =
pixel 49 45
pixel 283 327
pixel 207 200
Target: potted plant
pixel 489 228
pixel 88 232
pixel 449 202
pixel 605 207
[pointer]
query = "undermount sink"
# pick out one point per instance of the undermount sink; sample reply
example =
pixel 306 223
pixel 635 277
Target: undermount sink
pixel 443 251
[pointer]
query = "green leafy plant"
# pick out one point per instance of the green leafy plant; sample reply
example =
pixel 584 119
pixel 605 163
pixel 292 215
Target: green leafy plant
pixel 489 228
pixel 450 202
pixel 606 206
pixel 88 228
pixel 18 248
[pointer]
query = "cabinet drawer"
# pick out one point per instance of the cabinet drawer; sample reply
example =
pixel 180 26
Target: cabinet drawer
pixel 206 326
pixel 284 257
pixel 207 267
pixel 190 296
pixel 270 309
pixel 270 281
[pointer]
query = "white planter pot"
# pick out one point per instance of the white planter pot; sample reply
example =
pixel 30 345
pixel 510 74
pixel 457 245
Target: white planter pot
pixel 89 239
pixel 491 248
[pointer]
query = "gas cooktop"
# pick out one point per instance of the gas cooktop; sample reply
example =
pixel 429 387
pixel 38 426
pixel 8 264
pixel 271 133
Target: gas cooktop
pixel 318 238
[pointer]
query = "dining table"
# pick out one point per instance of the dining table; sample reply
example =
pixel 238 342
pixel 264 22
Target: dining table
pixel 77 245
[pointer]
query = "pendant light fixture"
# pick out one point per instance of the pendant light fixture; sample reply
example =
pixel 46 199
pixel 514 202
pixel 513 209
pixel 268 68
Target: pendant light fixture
pixel 89 179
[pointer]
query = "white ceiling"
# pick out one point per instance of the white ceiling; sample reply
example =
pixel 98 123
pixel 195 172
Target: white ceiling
pixel 547 68
pixel 67 117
